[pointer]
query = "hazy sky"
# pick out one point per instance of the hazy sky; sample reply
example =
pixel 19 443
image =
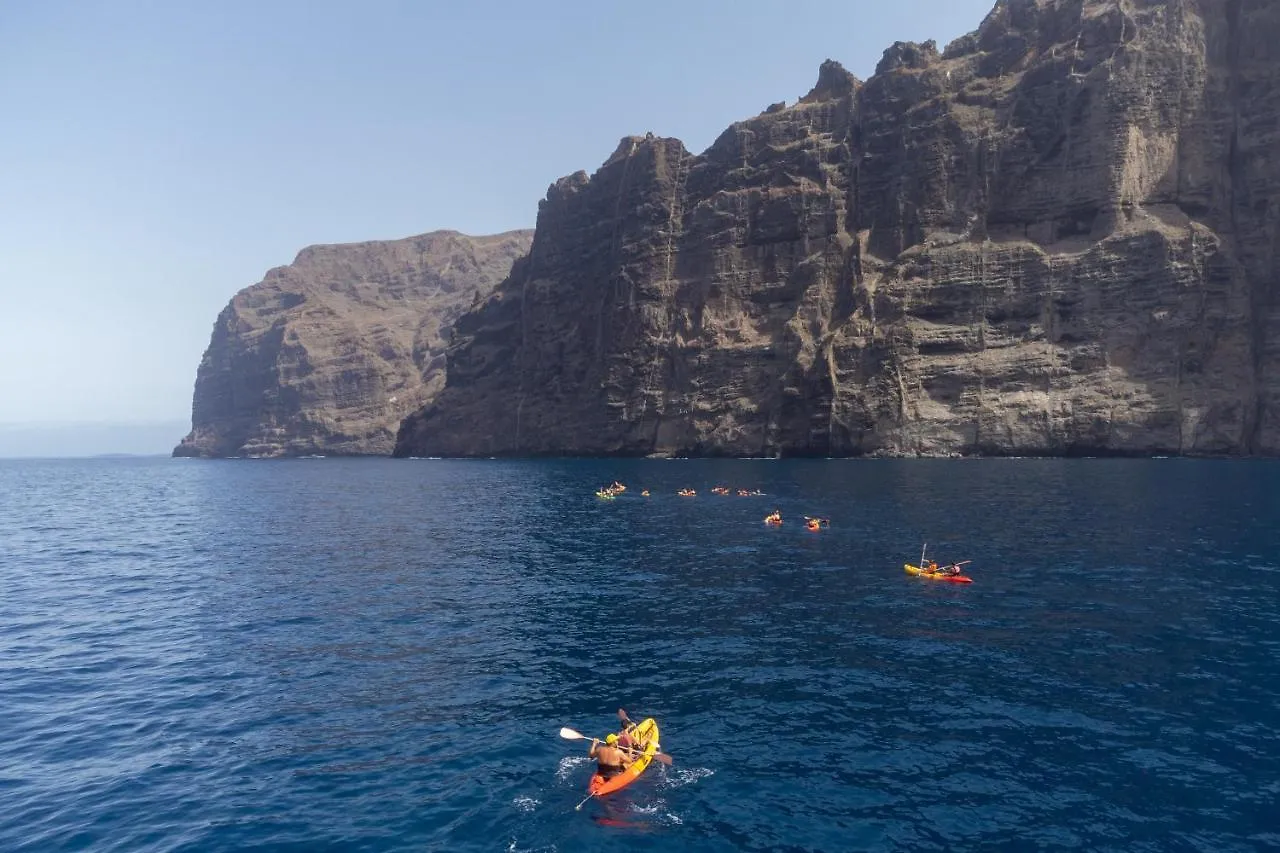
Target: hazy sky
pixel 159 156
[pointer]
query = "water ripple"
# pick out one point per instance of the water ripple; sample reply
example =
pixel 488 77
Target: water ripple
pixel 376 655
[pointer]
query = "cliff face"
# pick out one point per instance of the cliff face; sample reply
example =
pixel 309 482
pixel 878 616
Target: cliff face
pixel 1056 236
pixel 327 355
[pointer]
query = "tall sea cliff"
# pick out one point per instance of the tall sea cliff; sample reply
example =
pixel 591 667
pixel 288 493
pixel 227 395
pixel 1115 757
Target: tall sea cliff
pixel 327 355
pixel 1055 236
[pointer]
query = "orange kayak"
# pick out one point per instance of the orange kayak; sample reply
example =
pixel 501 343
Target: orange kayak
pixel 645 736
pixel 935 576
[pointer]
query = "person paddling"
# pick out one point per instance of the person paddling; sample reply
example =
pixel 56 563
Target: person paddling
pixel 610 761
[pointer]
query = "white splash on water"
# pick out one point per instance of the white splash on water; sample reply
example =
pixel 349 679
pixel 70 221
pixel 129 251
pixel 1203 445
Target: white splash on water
pixel 568 765
pixel 525 804
pixel 657 809
pixel 513 848
pixel 686 776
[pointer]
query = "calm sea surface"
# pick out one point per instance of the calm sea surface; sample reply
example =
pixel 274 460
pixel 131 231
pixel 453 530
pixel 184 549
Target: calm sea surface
pixel 376 655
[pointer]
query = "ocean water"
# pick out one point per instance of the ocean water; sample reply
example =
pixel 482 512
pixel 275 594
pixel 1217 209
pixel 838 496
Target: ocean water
pixel 377 655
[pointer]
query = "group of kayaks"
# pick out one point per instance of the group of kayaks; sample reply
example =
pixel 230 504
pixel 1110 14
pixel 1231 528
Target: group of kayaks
pixel 615 488
pixel 927 569
pixel 811 523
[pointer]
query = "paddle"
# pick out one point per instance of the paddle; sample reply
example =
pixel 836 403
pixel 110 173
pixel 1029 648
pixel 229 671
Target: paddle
pixel 570 734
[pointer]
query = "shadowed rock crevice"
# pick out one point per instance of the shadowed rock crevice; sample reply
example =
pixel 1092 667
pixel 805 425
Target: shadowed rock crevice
pixel 1056 236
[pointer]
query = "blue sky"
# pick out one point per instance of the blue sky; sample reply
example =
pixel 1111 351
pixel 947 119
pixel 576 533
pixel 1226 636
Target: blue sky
pixel 159 156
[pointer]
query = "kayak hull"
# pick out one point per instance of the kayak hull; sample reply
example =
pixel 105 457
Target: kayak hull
pixel 646 735
pixel 921 573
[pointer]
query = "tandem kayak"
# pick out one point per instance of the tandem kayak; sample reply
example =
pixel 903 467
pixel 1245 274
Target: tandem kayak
pixel 935 576
pixel 645 735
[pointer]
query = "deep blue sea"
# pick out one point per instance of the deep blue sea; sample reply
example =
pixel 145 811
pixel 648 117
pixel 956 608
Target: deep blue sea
pixel 376 655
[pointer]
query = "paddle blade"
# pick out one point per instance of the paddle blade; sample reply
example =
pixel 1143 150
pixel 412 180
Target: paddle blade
pixel 662 757
pixel 570 734
pixel 622 715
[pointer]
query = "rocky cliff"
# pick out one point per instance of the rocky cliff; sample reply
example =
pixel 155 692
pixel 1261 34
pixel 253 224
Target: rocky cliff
pixel 1056 236
pixel 328 354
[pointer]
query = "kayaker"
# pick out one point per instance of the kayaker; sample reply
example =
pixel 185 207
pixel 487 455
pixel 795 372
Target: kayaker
pixel 610 761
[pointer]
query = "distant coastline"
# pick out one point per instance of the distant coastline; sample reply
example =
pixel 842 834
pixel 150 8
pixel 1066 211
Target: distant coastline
pixel 106 439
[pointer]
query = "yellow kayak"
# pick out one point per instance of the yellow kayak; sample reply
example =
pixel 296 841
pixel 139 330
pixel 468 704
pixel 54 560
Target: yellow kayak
pixel 646 736
pixel 935 576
